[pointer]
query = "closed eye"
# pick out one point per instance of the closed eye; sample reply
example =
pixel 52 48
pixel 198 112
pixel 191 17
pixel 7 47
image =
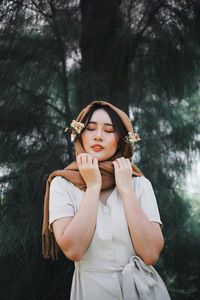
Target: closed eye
pixel 90 129
pixel 108 128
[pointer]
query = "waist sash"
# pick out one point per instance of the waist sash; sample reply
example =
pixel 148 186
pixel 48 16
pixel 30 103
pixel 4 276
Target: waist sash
pixel 139 281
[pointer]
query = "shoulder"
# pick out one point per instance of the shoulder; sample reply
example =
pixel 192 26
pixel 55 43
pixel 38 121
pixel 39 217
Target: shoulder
pixel 61 185
pixel 147 198
pixel 142 186
pixel 59 182
pixel 142 181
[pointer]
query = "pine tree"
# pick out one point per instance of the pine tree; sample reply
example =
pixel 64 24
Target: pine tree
pixel 143 56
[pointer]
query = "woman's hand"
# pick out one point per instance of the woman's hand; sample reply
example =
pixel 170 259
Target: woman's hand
pixel 89 169
pixel 123 174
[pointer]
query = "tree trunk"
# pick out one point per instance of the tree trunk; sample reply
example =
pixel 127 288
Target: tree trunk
pixel 103 76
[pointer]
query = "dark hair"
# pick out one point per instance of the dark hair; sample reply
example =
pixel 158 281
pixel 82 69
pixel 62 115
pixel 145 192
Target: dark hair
pixel 120 129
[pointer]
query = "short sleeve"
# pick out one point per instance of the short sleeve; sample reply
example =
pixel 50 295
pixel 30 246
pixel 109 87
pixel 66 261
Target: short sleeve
pixel 148 201
pixel 60 200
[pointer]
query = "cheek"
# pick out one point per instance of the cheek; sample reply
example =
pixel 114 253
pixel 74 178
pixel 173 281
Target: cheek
pixel 114 142
pixel 85 139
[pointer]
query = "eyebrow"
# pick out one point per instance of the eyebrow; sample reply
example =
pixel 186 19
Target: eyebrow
pixel 91 122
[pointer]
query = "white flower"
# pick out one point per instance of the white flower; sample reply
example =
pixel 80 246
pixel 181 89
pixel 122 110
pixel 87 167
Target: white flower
pixel 132 137
pixel 78 126
pixel 75 129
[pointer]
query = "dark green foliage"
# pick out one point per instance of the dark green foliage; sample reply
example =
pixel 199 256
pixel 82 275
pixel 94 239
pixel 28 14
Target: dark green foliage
pixel 142 56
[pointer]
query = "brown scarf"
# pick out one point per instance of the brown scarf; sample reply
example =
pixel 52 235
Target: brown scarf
pixel 71 173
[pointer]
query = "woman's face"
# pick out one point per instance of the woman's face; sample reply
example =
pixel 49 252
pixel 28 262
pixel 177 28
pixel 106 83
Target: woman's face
pixel 99 138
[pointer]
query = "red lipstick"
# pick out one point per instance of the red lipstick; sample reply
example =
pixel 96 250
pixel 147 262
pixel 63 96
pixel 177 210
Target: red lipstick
pixel 97 148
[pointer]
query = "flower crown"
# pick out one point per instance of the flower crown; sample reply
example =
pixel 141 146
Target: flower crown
pixel 75 129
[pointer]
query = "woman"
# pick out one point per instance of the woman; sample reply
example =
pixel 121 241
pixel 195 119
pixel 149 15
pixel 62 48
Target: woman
pixel 103 212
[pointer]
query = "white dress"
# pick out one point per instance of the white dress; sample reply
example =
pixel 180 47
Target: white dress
pixel 98 274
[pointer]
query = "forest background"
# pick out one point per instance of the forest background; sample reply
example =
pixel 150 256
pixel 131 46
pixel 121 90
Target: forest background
pixel 57 56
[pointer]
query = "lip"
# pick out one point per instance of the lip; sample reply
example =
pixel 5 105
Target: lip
pixel 97 148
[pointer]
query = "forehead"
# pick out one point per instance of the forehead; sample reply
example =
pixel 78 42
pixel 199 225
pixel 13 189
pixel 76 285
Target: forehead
pixel 100 116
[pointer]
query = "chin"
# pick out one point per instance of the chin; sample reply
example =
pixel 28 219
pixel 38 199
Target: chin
pixel 99 157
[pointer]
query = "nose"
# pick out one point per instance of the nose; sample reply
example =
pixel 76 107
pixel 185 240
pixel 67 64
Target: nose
pixel 98 136
pixel 98 139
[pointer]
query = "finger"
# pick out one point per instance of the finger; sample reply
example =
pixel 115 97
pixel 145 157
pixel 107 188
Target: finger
pixel 124 163
pixel 95 162
pixel 89 159
pixel 120 162
pixel 78 157
pixel 78 160
pixel 116 164
pixel 83 158
pixel 128 162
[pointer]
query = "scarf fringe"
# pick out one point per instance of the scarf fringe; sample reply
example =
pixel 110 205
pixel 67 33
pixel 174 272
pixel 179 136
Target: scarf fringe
pixel 49 246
